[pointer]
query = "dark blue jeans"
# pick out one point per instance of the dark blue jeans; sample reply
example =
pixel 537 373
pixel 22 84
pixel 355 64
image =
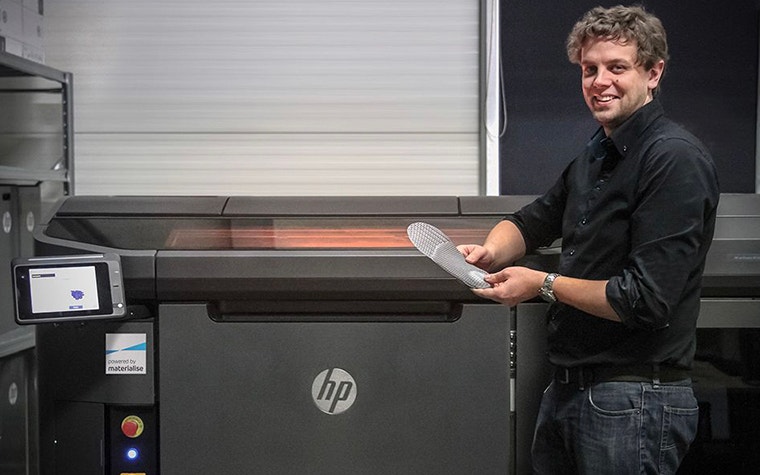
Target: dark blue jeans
pixel 615 428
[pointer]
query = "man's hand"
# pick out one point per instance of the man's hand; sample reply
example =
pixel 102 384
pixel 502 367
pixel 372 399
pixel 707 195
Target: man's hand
pixel 476 255
pixel 512 285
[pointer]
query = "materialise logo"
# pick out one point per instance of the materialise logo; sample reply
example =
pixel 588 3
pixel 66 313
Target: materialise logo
pixel 333 391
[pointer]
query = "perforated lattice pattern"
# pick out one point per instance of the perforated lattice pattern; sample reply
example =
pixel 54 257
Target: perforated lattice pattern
pixel 432 242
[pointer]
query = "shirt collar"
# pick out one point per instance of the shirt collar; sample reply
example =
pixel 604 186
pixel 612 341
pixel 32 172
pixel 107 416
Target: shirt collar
pixel 629 132
pixel 625 136
pixel 598 145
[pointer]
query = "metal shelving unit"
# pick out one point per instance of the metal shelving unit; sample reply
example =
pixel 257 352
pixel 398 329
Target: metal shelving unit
pixel 36 123
pixel 36 169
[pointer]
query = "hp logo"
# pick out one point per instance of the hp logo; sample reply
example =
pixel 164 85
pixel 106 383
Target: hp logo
pixel 333 391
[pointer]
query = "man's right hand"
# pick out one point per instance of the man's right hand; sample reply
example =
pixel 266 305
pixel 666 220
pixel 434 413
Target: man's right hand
pixel 476 255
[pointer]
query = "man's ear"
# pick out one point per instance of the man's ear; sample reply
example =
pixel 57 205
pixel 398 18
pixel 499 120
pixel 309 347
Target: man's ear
pixel 655 74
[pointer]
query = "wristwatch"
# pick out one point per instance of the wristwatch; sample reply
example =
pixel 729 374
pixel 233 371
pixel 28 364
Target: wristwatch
pixel 546 291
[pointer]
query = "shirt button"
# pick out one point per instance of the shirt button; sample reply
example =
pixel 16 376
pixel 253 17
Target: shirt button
pixel 584 221
pixel 571 252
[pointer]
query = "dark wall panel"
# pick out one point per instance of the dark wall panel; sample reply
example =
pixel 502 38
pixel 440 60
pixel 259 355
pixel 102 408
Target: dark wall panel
pixel 710 86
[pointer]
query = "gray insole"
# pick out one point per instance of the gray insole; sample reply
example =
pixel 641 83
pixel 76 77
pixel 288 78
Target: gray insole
pixel 432 242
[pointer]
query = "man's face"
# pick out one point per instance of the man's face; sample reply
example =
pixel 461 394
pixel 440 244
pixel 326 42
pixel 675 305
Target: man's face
pixel 614 84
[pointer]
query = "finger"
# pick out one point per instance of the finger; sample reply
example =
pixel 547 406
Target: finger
pixel 497 277
pixel 485 293
pixel 471 253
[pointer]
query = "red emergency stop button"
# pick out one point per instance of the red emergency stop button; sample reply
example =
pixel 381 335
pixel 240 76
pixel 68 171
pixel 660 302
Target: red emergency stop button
pixel 132 426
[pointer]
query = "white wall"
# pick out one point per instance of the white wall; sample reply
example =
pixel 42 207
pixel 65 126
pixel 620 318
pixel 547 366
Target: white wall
pixel 273 97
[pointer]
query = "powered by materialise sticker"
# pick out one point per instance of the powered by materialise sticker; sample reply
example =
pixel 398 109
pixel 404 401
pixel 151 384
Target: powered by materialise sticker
pixel 126 353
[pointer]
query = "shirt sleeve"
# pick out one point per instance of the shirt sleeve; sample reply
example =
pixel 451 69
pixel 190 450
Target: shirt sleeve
pixel 540 222
pixel 671 229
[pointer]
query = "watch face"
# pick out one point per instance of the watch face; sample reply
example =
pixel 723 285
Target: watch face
pixel 547 295
pixel 546 291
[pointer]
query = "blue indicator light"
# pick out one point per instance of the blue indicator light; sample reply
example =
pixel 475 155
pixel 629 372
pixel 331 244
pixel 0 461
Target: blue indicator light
pixel 132 454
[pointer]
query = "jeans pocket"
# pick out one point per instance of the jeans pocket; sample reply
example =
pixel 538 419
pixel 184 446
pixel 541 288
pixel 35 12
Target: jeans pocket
pixel 609 429
pixel 679 428
pixel 614 399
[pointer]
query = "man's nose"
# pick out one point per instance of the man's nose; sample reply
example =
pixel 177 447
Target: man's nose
pixel 603 78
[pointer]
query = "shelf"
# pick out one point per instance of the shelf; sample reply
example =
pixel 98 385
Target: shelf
pixel 24 160
pixel 9 175
pixel 15 66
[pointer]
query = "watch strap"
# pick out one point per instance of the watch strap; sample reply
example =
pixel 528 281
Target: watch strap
pixel 547 289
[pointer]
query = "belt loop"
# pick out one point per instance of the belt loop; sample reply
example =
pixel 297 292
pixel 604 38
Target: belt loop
pixel 581 379
pixel 656 374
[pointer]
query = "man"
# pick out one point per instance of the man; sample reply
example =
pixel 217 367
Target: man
pixel 636 214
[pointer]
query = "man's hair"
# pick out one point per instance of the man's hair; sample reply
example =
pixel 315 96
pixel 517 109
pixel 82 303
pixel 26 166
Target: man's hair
pixel 621 24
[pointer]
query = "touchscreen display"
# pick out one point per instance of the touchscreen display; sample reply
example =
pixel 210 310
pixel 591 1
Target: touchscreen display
pixel 68 288
pixel 63 289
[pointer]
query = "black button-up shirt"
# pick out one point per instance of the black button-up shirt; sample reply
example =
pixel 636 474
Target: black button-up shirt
pixel 637 209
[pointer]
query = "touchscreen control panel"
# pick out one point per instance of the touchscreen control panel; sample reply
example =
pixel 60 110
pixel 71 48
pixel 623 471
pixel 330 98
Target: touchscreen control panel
pixel 68 288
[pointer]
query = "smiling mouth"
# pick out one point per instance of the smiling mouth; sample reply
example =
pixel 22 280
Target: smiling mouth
pixel 604 99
